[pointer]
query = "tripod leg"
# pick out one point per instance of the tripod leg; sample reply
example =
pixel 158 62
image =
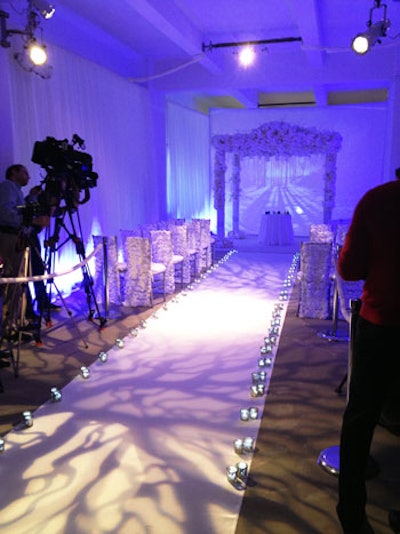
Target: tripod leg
pixel 70 316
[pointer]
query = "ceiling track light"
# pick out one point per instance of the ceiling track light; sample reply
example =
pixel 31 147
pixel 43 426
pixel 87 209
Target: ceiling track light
pixel 364 41
pixel 210 46
pixel 247 54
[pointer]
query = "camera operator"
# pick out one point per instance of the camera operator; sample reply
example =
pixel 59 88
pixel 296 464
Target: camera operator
pixel 11 223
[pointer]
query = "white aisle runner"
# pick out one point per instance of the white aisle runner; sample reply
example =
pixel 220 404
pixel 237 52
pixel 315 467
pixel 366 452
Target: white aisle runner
pixel 142 445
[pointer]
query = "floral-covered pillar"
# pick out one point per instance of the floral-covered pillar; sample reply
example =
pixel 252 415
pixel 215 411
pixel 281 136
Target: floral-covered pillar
pixel 219 191
pixel 329 189
pixel 235 196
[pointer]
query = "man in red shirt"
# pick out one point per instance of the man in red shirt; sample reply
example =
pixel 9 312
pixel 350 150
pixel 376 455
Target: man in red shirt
pixel 371 252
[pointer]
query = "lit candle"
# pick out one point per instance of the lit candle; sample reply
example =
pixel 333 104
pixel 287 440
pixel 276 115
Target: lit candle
pixel 248 444
pixel 254 391
pixel 253 412
pixel 255 377
pixel 85 372
pixel 28 420
pixel 244 414
pixel 242 469
pixel 55 394
pixel 119 343
pixel 103 356
pixel 231 473
pixel 238 446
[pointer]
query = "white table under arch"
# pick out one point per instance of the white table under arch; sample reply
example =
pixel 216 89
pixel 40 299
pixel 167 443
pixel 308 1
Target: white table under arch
pixel 269 140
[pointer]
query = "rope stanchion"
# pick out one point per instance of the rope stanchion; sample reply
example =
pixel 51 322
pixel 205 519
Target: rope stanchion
pixel 23 280
pixel 42 277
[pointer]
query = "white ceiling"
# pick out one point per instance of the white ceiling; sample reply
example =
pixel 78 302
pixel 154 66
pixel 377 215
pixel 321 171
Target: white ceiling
pixel 159 43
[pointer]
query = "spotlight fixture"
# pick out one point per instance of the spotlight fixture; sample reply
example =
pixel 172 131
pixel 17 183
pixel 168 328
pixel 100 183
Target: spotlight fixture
pixel 37 52
pixel 44 8
pixel 364 41
pixel 247 56
pixel 34 55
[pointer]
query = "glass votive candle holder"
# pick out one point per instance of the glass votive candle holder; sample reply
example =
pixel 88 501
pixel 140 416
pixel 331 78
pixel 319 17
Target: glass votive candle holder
pixel 244 414
pixel 119 343
pixel 260 390
pixel 28 419
pixel 103 356
pixel 254 391
pixel 262 376
pixel 267 362
pixel 231 473
pixel 261 362
pixel 242 470
pixel 238 446
pixel 253 412
pixel 2 445
pixel 85 372
pixel 55 394
pixel 248 444
pixel 266 349
pixel 133 332
pixel 255 377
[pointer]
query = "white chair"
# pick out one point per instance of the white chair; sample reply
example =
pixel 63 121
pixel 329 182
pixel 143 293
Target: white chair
pixel 106 270
pixel 203 243
pixel 315 280
pixel 140 273
pixel 162 252
pixel 145 229
pixel 182 253
pixel 194 249
pixel 321 233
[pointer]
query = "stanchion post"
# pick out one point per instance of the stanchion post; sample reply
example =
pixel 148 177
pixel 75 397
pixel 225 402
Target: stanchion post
pixel 329 459
pixel 105 276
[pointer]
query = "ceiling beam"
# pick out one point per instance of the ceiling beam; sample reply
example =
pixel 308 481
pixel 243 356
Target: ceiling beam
pixel 309 24
pixel 171 22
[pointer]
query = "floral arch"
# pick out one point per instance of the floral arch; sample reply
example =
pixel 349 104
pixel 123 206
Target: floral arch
pixel 268 140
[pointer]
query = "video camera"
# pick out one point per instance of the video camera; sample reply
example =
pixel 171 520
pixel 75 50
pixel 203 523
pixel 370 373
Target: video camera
pixel 69 171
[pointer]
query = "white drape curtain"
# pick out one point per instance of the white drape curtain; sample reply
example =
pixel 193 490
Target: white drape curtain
pixel 188 164
pixel 113 116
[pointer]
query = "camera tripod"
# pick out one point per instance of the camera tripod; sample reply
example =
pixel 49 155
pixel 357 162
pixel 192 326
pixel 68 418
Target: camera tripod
pixel 52 244
pixel 15 326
